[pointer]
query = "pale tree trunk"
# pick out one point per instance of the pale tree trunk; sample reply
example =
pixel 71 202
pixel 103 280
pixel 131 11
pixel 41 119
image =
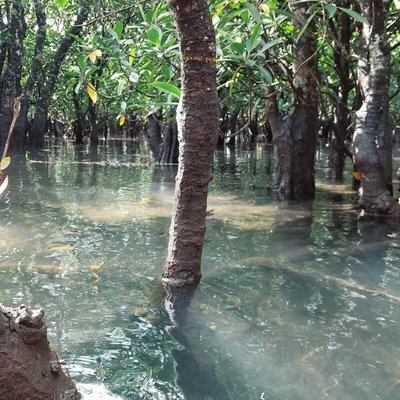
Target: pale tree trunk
pixel 372 138
pixel 295 135
pixel 197 118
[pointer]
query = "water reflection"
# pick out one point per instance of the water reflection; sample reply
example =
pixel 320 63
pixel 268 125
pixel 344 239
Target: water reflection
pixel 84 235
pixel 194 366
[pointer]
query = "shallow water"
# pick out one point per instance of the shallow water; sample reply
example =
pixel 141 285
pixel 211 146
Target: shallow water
pixel 294 302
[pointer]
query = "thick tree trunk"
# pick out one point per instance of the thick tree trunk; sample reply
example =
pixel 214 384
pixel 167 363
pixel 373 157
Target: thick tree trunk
pixel 372 137
pixel 295 135
pixel 28 367
pixel 197 119
pixel 11 80
pixel 20 130
pixel 37 131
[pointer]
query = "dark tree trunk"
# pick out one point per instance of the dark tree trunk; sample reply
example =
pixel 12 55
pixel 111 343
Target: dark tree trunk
pixel 295 135
pixel 372 136
pixel 197 119
pixel 79 123
pixel 154 135
pixel 169 152
pixel 11 87
pixel 37 130
pixel 94 128
pixel 28 367
pixel 20 130
pixel 341 54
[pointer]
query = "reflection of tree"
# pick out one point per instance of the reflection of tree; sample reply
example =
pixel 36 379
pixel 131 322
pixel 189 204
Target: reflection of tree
pixel 195 369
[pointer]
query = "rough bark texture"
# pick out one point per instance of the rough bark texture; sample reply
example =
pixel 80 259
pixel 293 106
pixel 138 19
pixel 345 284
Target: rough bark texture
pixel 197 118
pixel 372 138
pixel 37 131
pixel 154 135
pixel 295 135
pixel 29 370
pixel 12 74
pixel 341 53
pixel 20 130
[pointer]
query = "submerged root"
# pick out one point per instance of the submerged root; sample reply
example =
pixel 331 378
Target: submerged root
pixel 309 272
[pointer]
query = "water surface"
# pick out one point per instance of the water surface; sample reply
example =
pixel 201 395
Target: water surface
pixel 84 235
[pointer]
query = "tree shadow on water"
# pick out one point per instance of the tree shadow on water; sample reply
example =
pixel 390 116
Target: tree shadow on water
pixel 195 368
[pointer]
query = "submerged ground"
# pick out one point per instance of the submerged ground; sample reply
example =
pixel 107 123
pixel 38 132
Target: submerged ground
pixel 296 301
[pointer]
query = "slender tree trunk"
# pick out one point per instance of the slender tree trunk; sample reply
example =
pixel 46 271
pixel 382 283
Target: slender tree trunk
pixel 372 138
pixel 11 87
pixel 154 135
pixel 37 131
pixel 341 54
pixel 20 130
pixel 197 118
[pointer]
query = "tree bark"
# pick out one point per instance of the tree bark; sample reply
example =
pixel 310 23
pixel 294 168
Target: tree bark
pixel 295 135
pixel 37 131
pixel 341 55
pixel 21 126
pixel 154 134
pixel 28 367
pixel 197 119
pixel 12 75
pixel 372 138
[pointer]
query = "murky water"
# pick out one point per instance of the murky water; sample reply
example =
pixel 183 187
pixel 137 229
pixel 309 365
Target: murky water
pixel 296 301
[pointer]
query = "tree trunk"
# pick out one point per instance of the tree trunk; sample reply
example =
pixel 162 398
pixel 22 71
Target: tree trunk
pixel 197 118
pixel 11 87
pixel 341 54
pixel 154 135
pixel 169 152
pixel 37 131
pixel 372 137
pixel 295 135
pixel 20 130
pixel 28 367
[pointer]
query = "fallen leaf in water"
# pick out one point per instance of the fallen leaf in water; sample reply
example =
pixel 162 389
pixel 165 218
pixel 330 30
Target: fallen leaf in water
pixel 95 276
pixel 357 175
pixel 151 317
pixel 62 248
pixel 96 266
pixel 144 202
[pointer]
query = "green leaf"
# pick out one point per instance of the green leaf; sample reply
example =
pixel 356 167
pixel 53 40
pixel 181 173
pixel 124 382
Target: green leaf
pixel 154 35
pixel 266 74
pixel 62 3
pixel 254 12
pixel 5 162
pixel 253 42
pixel 166 71
pixel 167 88
pixel 238 47
pixel 305 26
pixel 355 15
pixel 118 28
pixel 331 9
